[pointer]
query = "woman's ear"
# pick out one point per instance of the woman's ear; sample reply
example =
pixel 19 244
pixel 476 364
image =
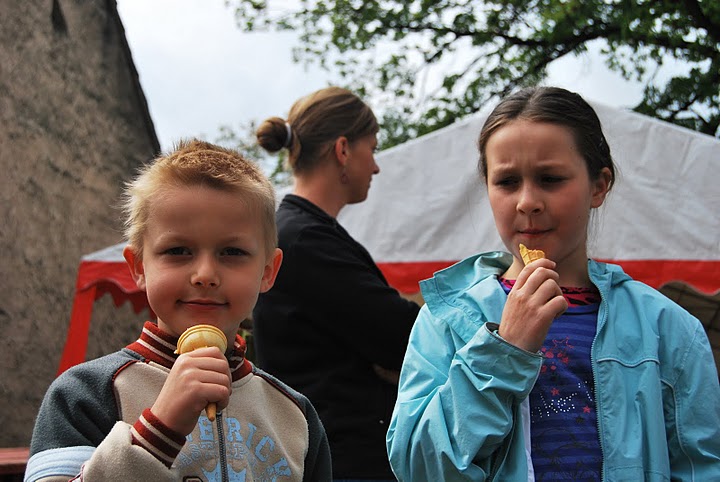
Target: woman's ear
pixel 342 150
pixel 137 268
pixel 601 187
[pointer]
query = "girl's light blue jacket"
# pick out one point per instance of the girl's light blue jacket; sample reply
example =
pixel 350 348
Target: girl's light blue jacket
pixel 461 412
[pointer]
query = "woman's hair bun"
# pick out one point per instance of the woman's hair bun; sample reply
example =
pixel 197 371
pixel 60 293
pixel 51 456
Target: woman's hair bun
pixel 272 135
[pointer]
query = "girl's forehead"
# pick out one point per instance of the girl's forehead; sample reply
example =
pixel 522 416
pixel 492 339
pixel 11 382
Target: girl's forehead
pixel 535 132
pixel 539 145
pixel 525 134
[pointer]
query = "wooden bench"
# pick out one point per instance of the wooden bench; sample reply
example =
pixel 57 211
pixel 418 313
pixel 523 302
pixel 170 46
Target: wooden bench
pixel 12 463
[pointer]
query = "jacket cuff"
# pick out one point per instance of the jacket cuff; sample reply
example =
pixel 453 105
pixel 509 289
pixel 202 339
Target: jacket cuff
pixel 154 436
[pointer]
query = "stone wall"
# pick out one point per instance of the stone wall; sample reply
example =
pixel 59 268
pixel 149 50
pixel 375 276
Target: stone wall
pixel 74 126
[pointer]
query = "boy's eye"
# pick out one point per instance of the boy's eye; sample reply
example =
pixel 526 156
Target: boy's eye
pixel 177 251
pixel 233 252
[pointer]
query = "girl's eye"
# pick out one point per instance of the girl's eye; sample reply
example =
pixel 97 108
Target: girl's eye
pixel 177 251
pixel 505 182
pixel 552 179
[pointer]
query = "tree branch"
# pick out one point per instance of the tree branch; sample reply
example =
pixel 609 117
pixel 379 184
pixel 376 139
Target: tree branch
pixel 600 31
pixel 702 20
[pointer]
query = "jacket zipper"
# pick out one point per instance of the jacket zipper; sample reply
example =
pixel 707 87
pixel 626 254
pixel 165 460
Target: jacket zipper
pixel 221 445
pixel 602 318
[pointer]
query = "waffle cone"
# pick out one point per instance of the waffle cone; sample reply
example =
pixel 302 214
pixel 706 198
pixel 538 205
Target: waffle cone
pixel 201 336
pixel 530 255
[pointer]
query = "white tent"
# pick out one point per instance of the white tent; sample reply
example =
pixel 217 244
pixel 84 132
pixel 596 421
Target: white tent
pixel 428 208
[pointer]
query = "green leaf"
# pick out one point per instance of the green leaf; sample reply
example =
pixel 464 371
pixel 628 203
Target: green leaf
pixel 484 49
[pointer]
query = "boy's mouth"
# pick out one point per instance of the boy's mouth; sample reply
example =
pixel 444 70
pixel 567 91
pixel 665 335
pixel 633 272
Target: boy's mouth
pixel 203 303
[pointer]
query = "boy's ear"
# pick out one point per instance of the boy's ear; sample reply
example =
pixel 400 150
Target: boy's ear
pixel 271 270
pixel 137 269
pixel 601 187
pixel 342 148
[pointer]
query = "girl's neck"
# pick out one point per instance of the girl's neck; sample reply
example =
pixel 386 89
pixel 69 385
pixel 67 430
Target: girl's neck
pixel 574 296
pixel 575 277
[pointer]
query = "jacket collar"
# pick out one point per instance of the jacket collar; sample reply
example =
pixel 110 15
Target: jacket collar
pixel 157 346
pixel 455 279
pixel 307 206
pixel 605 276
pixel 467 293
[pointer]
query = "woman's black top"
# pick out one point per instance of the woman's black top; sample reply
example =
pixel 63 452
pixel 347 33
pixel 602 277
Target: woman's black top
pixel 331 316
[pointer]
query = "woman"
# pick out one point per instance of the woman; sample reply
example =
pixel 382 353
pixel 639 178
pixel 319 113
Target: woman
pixel 332 327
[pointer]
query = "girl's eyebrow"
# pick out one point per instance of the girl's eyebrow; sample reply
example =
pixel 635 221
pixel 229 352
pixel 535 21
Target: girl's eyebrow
pixel 501 171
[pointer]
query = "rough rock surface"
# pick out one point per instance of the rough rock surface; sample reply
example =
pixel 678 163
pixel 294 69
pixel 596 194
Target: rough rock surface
pixel 74 126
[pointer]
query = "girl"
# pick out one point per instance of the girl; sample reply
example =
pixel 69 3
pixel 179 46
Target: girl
pixel 564 369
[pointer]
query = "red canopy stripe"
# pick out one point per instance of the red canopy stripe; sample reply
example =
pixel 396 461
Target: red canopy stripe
pixel 702 275
pixel 95 278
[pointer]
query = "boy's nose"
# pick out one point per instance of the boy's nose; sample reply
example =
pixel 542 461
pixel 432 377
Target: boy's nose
pixel 205 274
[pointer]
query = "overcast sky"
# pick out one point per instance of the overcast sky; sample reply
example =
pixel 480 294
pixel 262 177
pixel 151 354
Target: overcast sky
pixel 198 71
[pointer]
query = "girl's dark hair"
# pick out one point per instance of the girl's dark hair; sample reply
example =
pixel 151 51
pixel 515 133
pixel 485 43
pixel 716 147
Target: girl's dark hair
pixel 314 123
pixel 557 106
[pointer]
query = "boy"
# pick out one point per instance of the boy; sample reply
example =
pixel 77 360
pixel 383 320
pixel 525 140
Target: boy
pixel 202 244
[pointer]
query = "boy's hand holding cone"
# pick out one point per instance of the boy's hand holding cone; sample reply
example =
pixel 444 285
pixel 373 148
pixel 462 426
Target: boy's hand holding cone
pixel 200 375
pixel 203 336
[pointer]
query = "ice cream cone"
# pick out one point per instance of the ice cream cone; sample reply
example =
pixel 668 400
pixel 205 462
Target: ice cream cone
pixel 530 255
pixel 201 336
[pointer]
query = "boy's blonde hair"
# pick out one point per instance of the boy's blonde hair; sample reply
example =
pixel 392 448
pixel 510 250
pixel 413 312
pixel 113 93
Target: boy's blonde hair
pixel 198 163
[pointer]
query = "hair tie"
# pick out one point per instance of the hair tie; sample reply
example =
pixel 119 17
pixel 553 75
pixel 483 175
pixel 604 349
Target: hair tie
pixel 288 138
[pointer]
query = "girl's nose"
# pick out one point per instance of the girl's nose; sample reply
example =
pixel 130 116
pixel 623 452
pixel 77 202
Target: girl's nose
pixel 529 200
